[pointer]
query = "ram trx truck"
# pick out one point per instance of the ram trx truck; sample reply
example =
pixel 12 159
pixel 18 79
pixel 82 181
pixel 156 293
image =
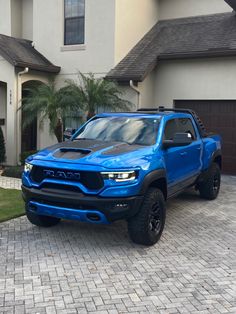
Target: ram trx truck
pixel 123 166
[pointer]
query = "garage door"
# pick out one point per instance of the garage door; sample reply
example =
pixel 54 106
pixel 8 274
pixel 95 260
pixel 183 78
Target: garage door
pixel 218 117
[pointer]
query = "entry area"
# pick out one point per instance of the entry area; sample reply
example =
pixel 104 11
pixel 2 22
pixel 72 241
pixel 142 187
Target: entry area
pixel 28 132
pixel 218 116
pixel 3 107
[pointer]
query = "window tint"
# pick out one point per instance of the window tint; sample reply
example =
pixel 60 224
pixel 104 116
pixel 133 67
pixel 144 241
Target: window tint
pixel 170 129
pixel 186 126
pixel 74 22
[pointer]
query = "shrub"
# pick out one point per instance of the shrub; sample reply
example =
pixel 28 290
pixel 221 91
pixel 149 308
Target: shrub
pixel 2 148
pixel 13 172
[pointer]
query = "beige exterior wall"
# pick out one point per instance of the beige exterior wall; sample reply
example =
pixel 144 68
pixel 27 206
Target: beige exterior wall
pixel 169 9
pixel 96 55
pixel 5 17
pixel 133 19
pixel 195 79
pixel 27 19
pixel 16 18
pixel 147 91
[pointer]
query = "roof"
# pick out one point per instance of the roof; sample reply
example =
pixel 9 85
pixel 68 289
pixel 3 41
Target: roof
pixel 21 53
pixel 193 37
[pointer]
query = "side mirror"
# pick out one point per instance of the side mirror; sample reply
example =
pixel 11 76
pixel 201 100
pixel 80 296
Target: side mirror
pixel 68 133
pixel 180 139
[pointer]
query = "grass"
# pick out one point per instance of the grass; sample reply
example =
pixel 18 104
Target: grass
pixel 11 204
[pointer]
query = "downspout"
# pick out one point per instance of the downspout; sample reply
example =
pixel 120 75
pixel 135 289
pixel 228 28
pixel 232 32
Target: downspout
pixel 18 115
pixel 135 88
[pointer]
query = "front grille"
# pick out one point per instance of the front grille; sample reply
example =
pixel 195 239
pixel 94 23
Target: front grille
pixel 91 180
pixel 67 205
pixel 63 187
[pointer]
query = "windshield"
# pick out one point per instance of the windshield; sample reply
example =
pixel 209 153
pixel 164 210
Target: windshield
pixel 131 130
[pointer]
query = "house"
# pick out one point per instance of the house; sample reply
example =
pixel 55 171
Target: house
pixel 178 53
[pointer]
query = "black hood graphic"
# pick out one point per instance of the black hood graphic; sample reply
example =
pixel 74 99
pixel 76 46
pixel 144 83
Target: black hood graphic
pixel 77 149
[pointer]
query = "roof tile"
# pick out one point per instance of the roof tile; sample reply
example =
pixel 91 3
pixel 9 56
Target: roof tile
pixel 201 36
pixel 21 53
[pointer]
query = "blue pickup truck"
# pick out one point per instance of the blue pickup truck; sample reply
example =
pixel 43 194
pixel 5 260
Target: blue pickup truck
pixel 123 166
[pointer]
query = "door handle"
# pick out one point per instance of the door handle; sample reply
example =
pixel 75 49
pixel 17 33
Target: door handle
pixel 183 154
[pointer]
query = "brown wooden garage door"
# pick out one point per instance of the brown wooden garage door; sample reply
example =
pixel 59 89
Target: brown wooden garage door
pixel 220 117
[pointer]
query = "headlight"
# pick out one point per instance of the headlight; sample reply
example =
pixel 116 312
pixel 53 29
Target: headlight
pixel 120 176
pixel 28 167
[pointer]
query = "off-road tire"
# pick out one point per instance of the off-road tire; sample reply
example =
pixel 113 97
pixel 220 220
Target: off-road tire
pixel 42 221
pixel 147 226
pixel 210 186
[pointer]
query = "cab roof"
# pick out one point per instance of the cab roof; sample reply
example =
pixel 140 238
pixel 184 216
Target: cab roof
pixel 144 114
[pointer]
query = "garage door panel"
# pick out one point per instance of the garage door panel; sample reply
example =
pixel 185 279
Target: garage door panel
pixel 218 116
pixel 230 147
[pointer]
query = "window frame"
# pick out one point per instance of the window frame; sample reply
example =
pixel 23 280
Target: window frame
pixel 72 45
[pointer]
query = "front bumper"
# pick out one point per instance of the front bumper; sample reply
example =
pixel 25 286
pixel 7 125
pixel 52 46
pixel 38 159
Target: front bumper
pixel 78 206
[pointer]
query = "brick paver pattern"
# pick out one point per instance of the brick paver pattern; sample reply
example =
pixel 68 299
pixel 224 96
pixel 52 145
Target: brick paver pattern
pixel 82 268
pixel 10 183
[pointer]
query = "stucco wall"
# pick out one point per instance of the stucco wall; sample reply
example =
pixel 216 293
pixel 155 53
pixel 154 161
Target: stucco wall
pixel 147 90
pixel 7 75
pixel 27 19
pixel 16 18
pixel 195 79
pixel 96 55
pixel 169 9
pixel 5 17
pixel 134 18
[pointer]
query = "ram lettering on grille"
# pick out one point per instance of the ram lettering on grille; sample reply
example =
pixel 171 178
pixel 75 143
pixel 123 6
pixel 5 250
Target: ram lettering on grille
pixel 62 174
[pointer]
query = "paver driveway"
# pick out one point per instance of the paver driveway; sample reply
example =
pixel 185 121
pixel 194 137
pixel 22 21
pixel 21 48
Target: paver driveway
pixel 79 268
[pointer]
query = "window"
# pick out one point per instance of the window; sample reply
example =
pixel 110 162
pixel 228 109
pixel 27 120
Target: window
pixel 74 22
pixel 186 126
pixel 171 129
pixel 180 125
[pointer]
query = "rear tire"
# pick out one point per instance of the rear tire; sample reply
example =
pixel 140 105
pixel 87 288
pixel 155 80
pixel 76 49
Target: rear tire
pixel 209 188
pixel 147 226
pixel 42 221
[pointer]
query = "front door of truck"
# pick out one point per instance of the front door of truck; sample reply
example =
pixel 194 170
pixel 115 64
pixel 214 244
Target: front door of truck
pixel 184 162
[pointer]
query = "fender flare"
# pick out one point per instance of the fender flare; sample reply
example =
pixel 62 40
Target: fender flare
pixel 217 153
pixel 152 177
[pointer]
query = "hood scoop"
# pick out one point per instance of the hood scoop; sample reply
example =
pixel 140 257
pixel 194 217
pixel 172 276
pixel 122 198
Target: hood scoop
pixel 71 153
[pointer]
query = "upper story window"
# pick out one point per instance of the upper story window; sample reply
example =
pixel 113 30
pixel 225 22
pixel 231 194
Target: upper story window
pixel 74 22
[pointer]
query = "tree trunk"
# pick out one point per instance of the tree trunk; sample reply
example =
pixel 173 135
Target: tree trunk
pixel 58 131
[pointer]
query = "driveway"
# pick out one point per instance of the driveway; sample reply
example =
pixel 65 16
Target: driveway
pixel 80 268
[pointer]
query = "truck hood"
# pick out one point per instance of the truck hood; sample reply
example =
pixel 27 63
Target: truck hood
pixel 97 153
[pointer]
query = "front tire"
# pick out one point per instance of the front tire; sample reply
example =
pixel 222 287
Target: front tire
pixel 209 188
pixel 147 226
pixel 42 221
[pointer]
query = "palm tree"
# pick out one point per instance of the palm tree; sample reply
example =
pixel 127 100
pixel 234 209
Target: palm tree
pixel 96 93
pixel 45 102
